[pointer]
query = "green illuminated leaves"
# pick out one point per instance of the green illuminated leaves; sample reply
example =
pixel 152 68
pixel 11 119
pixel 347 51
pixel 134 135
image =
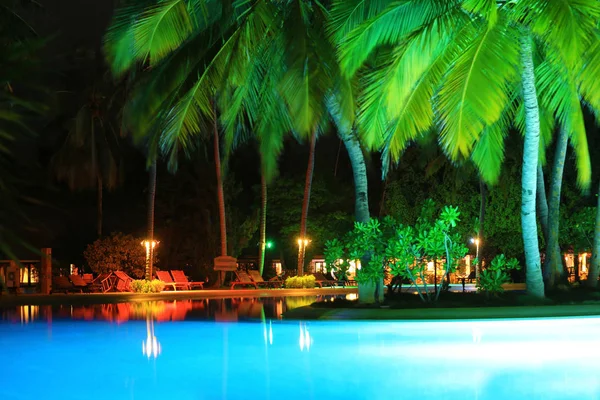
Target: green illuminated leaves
pixel 475 92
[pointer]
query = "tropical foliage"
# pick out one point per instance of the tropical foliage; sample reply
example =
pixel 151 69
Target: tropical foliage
pixel 496 274
pixel 405 251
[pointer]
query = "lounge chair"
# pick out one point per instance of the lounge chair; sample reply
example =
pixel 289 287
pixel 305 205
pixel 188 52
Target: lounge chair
pixel 166 278
pixel 179 277
pixel 321 280
pixel 335 280
pixel 62 284
pixel 257 277
pixel 88 278
pixel 105 281
pixel 243 279
pixel 123 281
pixel 79 282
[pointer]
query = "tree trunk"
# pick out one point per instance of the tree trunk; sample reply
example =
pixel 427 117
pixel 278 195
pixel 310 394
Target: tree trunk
pixel 361 192
pixel 305 202
pixel 542 203
pixel 553 263
pixel 535 283
pixel 480 232
pixel 592 279
pixel 220 195
pixel 150 218
pixel 263 224
pixel 359 170
pixel 100 201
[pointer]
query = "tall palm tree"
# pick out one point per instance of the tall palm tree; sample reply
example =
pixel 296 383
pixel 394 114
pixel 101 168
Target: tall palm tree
pixel 89 156
pixel 553 263
pixel 592 280
pixel 190 50
pixel 152 172
pixel 476 57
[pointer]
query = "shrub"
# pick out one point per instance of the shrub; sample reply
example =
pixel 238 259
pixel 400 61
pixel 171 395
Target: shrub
pixel 403 250
pixel 299 282
pixel 145 286
pixel 118 252
pixel 493 277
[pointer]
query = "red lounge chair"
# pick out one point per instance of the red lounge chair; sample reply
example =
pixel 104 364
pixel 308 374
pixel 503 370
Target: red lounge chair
pixel 78 282
pixel 123 281
pixel 165 277
pixel 243 279
pixel 62 284
pixel 106 281
pixel 179 277
pixel 256 277
pixel 88 278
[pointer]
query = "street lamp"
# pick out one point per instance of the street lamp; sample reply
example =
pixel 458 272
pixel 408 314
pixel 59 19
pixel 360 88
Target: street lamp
pixel 476 241
pixel 149 245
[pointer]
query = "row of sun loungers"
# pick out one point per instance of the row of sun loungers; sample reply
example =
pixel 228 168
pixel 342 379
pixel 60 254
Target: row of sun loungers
pixel 118 281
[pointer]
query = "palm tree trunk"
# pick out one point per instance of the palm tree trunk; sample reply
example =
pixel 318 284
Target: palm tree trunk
pixel 220 195
pixel 305 203
pixel 100 201
pixel 592 279
pixel 535 283
pixel 480 232
pixel 150 238
pixel 263 223
pixel 359 170
pixel 542 203
pixel 553 262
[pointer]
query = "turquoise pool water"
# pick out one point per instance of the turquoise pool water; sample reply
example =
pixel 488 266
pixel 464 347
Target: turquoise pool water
pixel 239 349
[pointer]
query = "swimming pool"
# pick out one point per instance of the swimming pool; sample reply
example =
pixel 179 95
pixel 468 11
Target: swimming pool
pixel 219 350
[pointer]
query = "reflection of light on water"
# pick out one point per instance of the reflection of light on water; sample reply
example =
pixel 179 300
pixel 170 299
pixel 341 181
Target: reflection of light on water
pixel 151 346
pixel 477 334
pixel 270 332
pixel 28 313
pixel 305 338
pixel 352 296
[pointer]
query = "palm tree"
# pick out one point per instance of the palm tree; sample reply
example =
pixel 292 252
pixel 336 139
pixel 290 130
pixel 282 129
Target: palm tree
pixel 190 50
pixel 150 219
pixel 592 280
pixel 466 53
pixel 88 158
pixel 553 263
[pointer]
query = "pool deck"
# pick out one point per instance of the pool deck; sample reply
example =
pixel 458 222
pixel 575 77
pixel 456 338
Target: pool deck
pixel 541 311
pixel 11 300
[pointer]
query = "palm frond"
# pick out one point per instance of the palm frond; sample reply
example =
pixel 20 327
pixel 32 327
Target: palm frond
pixel 558 93
pixel 563 25
pixel 475 91
pixel 148 32
pixel 370 25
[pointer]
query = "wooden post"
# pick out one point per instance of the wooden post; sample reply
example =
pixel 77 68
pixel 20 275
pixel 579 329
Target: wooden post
pixel 46 271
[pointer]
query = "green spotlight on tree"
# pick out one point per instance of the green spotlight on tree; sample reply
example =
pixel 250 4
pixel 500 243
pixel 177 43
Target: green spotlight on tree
pixel 269 244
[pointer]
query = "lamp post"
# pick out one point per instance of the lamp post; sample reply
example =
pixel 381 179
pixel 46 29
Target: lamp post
pixel 476 241
pixel 149 245
pixel 302 243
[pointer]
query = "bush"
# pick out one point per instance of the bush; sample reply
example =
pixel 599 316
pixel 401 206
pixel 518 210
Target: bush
pixel 118 252
pixel 300 282
pixel 493 277
pixel 145 286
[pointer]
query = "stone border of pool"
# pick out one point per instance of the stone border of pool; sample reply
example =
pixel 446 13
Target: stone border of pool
pixel 338 314
pixel 102 298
